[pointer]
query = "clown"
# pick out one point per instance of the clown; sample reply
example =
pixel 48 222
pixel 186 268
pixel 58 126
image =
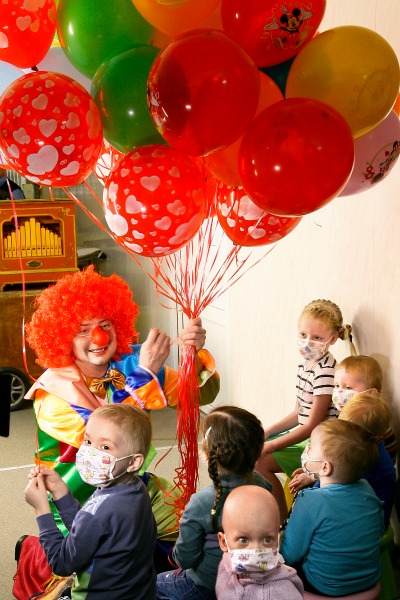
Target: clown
pixel 82 332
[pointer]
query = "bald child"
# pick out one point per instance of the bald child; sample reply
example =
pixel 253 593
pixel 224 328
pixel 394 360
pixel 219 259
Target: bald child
pixel 251 567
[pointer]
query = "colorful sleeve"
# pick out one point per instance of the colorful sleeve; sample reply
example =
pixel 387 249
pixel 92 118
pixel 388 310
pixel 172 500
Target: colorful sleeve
pixel 142 389
pixel 59 419
pixel 151 392
pixel 208 380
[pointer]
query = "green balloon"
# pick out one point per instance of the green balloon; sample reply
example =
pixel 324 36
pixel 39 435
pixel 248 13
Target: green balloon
pixel 119 89
pixel 93 31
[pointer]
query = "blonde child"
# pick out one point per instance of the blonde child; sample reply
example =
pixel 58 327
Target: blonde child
pixel 233 440
pixel 319 326
pixel 111 539
pixel 361 374
pixel 334 533
pixel 374 414
pixel 251 567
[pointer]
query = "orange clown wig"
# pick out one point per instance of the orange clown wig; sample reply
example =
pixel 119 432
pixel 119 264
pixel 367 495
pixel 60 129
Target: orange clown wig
pixel 80 296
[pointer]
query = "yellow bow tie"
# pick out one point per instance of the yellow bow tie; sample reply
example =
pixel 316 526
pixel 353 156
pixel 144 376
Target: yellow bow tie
pixel 97 385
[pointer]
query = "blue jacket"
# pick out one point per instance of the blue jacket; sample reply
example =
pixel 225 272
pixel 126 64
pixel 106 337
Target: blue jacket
pixel 110 544
pixel 336 532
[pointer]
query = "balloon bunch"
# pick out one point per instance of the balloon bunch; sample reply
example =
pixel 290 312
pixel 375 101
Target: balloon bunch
pixel 200 118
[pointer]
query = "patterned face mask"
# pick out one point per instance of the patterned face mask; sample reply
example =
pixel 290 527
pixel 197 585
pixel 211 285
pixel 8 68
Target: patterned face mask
pixel 96 466
pixel 252 560
pixel 340 397
pixel 312 349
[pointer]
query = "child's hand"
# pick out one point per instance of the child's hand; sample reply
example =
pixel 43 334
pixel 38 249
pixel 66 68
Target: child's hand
pixel 52 481
pixel 299 481
pixel 36 495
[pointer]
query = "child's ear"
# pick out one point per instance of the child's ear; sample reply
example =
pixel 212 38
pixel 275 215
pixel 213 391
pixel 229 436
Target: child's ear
pixel 326 469
pixel 222 542
pixel 136 463
pixel 374 392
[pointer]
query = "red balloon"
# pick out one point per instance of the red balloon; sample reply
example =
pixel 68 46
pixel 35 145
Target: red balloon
pixel 155 200
pixel 26 31
pixel 50 129
pixel 248 225
pixel 296 156
pixel 224 164
pixel 203 91
pixel 272 32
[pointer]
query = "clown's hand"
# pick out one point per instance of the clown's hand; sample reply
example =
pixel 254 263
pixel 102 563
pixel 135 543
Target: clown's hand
pixel 193 334
pixel 154 351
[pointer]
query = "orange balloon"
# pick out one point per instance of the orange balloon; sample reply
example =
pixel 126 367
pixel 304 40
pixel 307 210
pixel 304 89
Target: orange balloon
pixel 160 39
pixel 174 17
pixel 224 164
pixel 213 21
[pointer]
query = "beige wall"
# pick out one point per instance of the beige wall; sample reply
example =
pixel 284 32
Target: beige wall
pixel 347 252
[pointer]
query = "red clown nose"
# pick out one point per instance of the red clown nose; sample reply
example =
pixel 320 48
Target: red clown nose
pixel 99 336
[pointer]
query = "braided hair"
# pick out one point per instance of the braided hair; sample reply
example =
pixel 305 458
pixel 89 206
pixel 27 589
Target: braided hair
pixel 330 314
pixel 233 441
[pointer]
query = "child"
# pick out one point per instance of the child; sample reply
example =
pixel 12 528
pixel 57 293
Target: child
pixel 233 439
pixel 374 414
pixel 251 566
pixel 112 537
pixel 361 374
pixel 320 325
pixel 334 533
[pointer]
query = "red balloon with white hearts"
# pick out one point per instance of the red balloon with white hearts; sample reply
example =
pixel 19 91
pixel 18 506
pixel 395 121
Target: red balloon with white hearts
pixel 155 200
pixel 247 224
pixel 50 129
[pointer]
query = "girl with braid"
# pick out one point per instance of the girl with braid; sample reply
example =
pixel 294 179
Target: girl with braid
pixel 233 440
pixel 319 326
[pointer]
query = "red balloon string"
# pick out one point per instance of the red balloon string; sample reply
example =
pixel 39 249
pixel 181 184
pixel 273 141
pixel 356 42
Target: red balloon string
pixel 188 420
pixel 192 279
pixel 23 282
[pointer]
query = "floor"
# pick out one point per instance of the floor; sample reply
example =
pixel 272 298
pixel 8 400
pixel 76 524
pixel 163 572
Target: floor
pixel 16 452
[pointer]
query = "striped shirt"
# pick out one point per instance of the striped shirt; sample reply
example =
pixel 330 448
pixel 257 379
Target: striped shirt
pixel 318 381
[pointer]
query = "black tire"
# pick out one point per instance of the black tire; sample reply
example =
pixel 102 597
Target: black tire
pixel 19 387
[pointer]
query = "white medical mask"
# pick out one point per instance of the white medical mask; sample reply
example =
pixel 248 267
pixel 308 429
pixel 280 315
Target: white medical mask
pixel 96 466
pixel 305 460
pixel 252 560
pixel 340 397
pixel 312 349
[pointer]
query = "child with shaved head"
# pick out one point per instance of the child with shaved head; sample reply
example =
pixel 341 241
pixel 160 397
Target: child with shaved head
pixel 251 567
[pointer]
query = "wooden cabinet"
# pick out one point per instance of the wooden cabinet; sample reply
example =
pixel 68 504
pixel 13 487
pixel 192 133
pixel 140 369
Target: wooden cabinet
pixel 15 308
pixel 38 242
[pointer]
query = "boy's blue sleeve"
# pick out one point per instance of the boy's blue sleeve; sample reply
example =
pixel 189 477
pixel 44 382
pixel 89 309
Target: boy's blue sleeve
pixel 299 530
pixel 74 552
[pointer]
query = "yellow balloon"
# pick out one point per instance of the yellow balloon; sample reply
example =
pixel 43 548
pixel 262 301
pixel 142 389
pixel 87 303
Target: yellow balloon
pixel 174 17
pixel 353 69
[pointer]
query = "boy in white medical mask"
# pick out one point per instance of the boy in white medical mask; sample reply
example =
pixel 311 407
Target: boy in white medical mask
pixel 361 374
pixel 111 538
pixel 251 567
